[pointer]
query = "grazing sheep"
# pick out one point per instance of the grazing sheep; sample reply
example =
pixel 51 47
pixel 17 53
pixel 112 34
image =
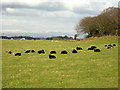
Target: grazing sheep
pixel 64 52
pixel 78 48
pixel 110 45
pixel 105 45
pixel 53 52
pixel 10 52
pixel 97 50
pixel 93 47
pixel 114 44
pixel 28 51
pixel 74 51
pixel 41 51
pixel 32 51
pixel 52 56
pixel 17 54
pixel 90 48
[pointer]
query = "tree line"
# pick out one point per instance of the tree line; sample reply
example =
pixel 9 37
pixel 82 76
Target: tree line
pixel 37 38
pixel 106 23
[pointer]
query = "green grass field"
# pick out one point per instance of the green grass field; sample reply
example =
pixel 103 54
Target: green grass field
pixel 86 69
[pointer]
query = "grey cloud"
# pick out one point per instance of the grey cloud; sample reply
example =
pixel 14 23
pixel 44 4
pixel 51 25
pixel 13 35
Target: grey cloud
pixel 21 12
pixel 85 11
pixel 13 5
pixel 93 8
pixel 51 6
pixel 47 6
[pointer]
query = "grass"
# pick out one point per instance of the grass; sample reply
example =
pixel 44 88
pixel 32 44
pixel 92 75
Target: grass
pixel 86 69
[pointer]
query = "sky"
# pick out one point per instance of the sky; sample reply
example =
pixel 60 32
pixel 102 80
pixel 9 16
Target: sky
pixel 46 16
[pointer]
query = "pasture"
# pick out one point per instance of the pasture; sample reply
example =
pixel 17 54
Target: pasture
pixel 85 69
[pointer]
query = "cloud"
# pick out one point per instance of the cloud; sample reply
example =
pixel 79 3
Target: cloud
pixel 52 6
pixel 90 8
pixel 47 6
pixel 24 9
pixel 10 10
pixel 19 12
pixel 10 21
pixel 13 31
pixel 83 7
pixel 48 16
pixel 85 11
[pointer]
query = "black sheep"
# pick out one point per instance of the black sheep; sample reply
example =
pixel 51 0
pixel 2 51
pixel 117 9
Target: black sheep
pixel 53 52
pixel 28 51
pixel 105 45
pixel 93 47
pixel 114 44
pixel 97 50
pixel 78 48
pixel 32 51
pixel 90 48
pixel 52 56
pixel 64 52
pixel 74 51
pixel 110 45
pixel 41 51
pixel 17 54
pixel 10 52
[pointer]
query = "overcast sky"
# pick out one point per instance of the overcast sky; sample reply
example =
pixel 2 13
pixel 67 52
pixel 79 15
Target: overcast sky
pixel 40 16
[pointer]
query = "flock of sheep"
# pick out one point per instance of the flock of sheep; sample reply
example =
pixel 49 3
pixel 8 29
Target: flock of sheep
pixel 51 56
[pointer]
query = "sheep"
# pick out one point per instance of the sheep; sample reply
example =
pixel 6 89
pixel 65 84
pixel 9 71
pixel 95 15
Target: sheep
pixel 32 51
pixel 97 50
pixel 41 51
pixel 92 48
pixel 105 45
pixel 53 52
pixel 114 44
pixel 64 52
pixel 52 56
pixel 10 52
pixel 28 51
pixel 109 46
pixel 74 51
pixel 78 48
pixel 17 54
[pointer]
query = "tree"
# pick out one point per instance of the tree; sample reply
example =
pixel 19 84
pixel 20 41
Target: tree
pixel 106 23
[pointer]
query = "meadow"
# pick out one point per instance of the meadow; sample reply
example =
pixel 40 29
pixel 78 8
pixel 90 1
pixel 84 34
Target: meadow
pixel 85 69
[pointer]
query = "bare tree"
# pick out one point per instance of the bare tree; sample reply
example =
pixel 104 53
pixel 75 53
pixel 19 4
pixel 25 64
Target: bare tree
pixel 106 23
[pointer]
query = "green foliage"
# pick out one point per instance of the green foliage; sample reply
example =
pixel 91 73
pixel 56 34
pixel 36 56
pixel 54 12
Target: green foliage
pixel 86 69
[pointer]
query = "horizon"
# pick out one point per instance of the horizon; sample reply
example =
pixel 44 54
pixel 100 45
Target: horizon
pixel 45 34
